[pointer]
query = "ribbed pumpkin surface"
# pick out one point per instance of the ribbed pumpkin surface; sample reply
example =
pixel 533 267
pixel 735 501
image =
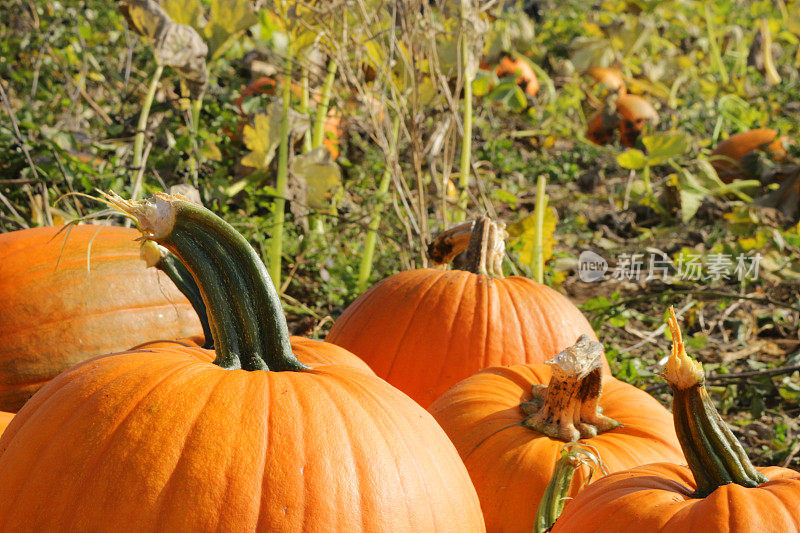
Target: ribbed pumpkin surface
pixel 511 465
pixel 658 497
pixel 70 296
pixel 159 440
pixel 424 330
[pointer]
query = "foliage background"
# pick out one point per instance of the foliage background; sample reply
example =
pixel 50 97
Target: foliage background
pixel 74 77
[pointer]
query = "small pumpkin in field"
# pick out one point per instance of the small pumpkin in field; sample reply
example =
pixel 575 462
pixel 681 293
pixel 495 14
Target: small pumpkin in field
pixel 517 67
pixel 609 78
pixel 628 113
pixel 720 490
pixel 425 330
pixel 156 438
pixel 68 294
pixel 510 424
pixel 734 157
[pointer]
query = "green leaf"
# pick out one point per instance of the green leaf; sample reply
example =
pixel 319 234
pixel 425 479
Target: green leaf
pixel 509 94
pixel 632 159
pixel 692 194
pixel 664 146
pixel 483 82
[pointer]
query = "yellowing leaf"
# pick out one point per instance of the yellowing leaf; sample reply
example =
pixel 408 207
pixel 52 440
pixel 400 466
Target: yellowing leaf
pixel 262 138
pixel 189 12
pixel 228 19
pixel 318 174
pixel 632 159
pixel 523 233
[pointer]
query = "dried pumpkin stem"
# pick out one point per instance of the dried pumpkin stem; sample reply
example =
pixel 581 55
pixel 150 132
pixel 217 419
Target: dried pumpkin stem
pixel 568 407
pixel 483 240
pixel 714 455
pixel 245 314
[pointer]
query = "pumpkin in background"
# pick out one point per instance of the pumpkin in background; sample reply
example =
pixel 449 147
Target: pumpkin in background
pixel 733 158
pixel 524 75
pixel 256 441
pixel 425 330
pixel 68 294
pixel 510 425
pixel 720 491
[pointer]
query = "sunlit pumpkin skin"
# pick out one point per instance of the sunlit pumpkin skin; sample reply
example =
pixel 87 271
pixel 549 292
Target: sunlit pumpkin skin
pixel 525 76
pixel 195 447
pixel 719 491
pixel 425 330
pixel 308 351
pixel 728 156
pixel 69 296
pixel 511 465
pixel 658 497
pixel 158 439
pixel 5 420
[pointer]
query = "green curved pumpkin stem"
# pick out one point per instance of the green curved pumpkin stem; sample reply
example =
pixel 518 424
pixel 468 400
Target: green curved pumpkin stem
pixel 714 455
pixel 245 314
pixel 556 493
pixel 160 258
pixel 567 408
pixel 483 240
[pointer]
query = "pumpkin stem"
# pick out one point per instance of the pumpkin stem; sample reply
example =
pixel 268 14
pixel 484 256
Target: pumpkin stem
pixel 714 455
pixel 161 258
pixel 556 493
pixel 245 314
pixel 484 241
pixel 567 407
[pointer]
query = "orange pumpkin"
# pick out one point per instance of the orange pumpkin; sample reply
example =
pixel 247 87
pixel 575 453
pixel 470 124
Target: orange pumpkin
pixel 256 441
pixel 69 296
pixel 730 156
pixel 610 78
pixel 720 490
pixel 518 67
pixel 5 420
pixel 425 330
pixel 510 425
pixel 635 112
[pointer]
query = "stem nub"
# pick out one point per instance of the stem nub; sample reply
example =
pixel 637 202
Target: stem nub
pixel 483 240
pixel 714 455
pixel 567 408
pixel 245 314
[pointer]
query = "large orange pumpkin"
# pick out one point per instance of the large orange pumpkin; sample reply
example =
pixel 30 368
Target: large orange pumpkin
pixel 720 490
pixel 425 330
pixel 69 296
pixel 5 420
pixel 256 441
pixel 510 425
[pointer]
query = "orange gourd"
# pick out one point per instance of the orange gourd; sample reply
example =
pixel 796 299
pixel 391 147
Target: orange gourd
pixel 69 296
pixel 610 78
pixel 635 112
pixel 425 330
pixel 729 158
pixel 719 490
pixel 519 68
pixel 157 439
pixel 510 425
